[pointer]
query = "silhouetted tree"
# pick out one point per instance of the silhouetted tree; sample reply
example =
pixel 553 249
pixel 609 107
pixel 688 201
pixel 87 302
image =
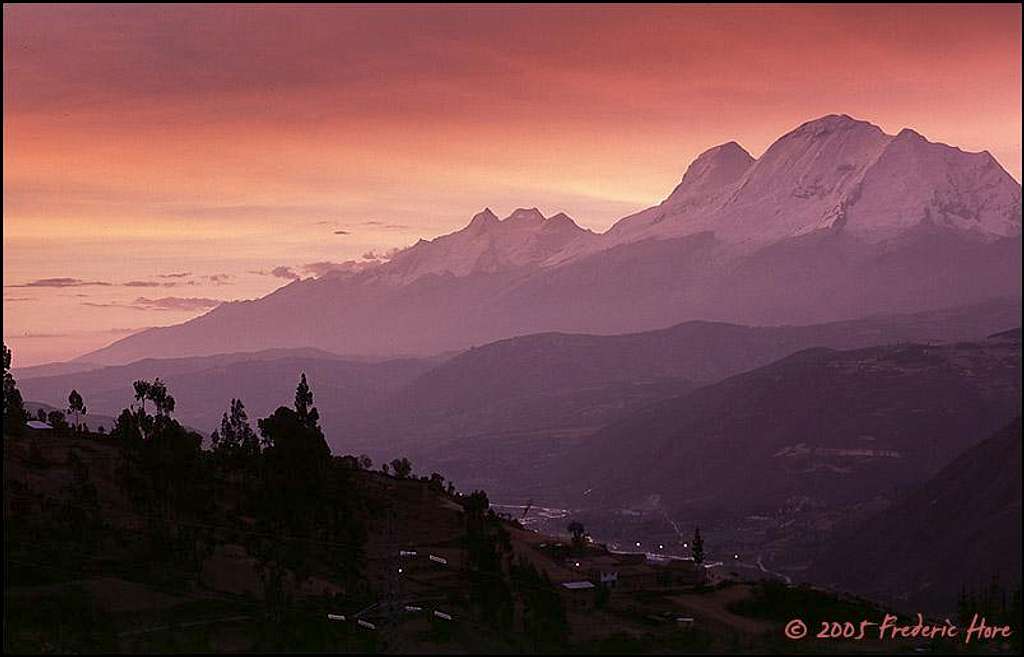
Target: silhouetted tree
pixel 487 542
pixel 170 460
pixel 296 463
pixel 14 406
pixel 162 399
pixel 162 458
pixel 304 404
pixel 402 467
pixel 142 392
pixel 544 620
pixel 365 462
pixel 156 392
pixel 697 547
pixel 287 435
pixel 236 436
pixel 132 426
pixel 578 533
pixel 76 405
pixel 476 506
pixel 57 420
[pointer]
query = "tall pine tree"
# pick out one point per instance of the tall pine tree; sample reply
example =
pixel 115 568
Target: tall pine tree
pixel 697 547
pixel 304 408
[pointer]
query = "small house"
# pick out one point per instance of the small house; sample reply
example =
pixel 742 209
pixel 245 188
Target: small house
pixel 579 594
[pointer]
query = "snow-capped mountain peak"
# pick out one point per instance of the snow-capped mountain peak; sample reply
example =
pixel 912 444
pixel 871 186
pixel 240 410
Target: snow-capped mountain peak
pixel 483 219
pixel 833 173
pixel 714 170
pixel 949 211
pixel 488 245
pixel 530 216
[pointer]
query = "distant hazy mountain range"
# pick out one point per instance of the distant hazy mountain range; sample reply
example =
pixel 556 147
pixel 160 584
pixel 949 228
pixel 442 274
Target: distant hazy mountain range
pixel 472 412
pixel 836 220
pixel 831 427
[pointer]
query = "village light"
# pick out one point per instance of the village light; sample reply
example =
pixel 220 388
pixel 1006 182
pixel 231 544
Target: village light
pixel 661 547
pixel 735 556
pixel 638 543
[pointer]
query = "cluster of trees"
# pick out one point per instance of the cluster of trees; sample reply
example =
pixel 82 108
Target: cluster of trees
pixel 15 414
pixel 14 406
pixel 299 499
pixel 545 624
pixel 402 468
pixel 697 547
pixel 280 473
pixel 487 546
pixel 578 533
pixel 58 419
pixel 498 580
pixel 272 486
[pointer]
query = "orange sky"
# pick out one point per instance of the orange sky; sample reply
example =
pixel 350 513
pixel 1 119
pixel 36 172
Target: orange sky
pixel 223 142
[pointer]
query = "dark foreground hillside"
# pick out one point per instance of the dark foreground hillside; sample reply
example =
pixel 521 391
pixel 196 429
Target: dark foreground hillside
pixel 141 540
pixel 957 534
pixel 238 559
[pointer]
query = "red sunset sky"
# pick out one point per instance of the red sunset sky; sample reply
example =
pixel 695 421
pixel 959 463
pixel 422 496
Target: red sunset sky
pixel 180 154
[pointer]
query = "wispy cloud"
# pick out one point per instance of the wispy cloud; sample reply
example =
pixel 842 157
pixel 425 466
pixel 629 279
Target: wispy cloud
pixel 177 283
pixel 212 279
pixel 351 266
pixel 383 255
pixel 125 329
pixel 177 303
pixel 323 267
pixel 278 272
pixel 181 274
pixel 181 304
pixel 32 336
pixel 63 282
pixel 344 228
pixel 251 211
pixel 60 282
pixel 284 272
pixel 385 225
pixel 67 334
